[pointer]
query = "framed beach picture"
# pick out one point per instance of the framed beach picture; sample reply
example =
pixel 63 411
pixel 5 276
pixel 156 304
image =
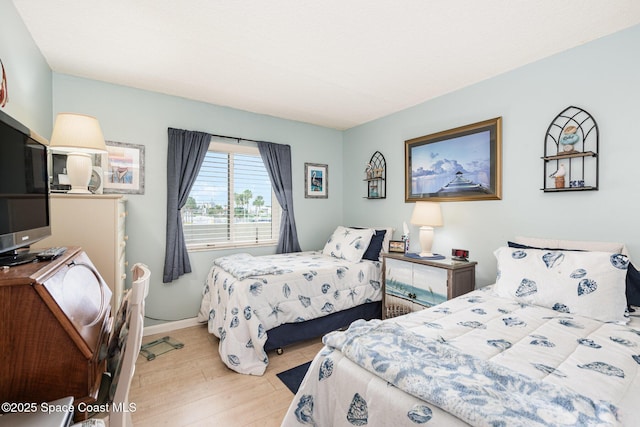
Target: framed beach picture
pixel 459 164
pixel 123 168
pixel 316 184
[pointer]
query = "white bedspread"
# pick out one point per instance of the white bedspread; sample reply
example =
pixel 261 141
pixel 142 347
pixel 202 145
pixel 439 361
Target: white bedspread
pixel 298 287
pixel 245 265
pixel 586 357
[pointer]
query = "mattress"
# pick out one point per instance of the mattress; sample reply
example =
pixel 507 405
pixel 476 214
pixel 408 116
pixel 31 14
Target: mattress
pixel 244 297
pixel 568 357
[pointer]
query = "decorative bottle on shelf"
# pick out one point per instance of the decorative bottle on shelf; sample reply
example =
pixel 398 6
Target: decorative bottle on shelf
pixel 373 190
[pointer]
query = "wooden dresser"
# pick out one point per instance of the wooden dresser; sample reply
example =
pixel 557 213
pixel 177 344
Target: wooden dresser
pixel 55 318
pixel 412 284
pixel 96 223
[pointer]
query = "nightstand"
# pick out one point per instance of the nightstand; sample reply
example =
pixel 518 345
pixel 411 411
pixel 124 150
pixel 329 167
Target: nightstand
pixel 412 284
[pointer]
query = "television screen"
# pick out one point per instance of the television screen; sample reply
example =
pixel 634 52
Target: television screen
pixel 24 198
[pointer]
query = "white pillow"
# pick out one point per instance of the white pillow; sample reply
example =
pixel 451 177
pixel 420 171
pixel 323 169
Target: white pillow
pixel 590 284
pixel 348 243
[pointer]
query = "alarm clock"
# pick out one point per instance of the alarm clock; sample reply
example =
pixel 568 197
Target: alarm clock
pixel 460 254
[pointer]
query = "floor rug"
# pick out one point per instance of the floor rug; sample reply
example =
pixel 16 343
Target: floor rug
pixel 293 377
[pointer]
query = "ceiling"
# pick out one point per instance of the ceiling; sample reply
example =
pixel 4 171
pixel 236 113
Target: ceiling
pixel 332 63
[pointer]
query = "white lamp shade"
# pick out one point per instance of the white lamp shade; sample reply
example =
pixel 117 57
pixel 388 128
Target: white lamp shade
pixel 427 213
pixel 77 133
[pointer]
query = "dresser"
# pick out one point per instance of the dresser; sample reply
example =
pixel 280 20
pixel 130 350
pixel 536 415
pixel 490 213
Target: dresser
pixel 412 284
pixel 97 224
pixel 55 320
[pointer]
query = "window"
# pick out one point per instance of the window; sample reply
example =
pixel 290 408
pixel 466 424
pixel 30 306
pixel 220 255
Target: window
pixel 231 203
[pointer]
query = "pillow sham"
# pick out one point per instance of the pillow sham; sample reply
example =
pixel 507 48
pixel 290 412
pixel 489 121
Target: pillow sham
pixel 348 243
pixel 632 281
pixel 590 284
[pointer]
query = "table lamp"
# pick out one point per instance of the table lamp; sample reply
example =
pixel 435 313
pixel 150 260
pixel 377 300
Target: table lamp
pixel 427 215
pixel 80 136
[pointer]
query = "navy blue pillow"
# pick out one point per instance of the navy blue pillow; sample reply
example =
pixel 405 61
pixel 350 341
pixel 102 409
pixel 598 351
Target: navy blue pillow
pixel 633 286
pixel 375 246
pixel 521 246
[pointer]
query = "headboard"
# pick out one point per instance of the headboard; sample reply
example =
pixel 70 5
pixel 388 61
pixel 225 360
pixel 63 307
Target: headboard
pixel 572 244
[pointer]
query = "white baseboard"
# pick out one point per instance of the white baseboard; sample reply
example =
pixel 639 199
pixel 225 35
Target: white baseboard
pixel 171 326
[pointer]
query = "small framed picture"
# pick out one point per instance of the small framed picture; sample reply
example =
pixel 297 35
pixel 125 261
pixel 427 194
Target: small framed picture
pixel 396 246
pixel 316 181
pixel 123 168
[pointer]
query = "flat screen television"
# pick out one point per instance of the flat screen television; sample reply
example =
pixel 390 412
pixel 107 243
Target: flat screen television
pixel 24 191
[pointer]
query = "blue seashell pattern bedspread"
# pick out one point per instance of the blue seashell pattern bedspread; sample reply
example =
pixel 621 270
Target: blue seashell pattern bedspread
pixel 480 360
pixel 245 296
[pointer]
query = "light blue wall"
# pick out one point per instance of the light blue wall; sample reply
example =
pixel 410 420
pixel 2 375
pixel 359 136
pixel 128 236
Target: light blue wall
pixel 141 117
pixel 28 75
pixel 601 77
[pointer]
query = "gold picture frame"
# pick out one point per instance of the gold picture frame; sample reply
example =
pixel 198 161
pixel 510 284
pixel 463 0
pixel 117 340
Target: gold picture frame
pixel 460 164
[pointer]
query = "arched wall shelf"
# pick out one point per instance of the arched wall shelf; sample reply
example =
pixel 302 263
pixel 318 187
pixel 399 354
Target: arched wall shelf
pixel 376 177
pixel 571 152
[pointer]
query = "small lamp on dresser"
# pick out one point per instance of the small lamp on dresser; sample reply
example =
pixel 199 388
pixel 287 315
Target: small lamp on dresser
pixel 427 215
pixel 80 136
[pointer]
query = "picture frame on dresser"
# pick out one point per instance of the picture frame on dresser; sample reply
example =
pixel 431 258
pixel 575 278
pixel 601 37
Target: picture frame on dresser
pixel 460 164
pixel 123 168
pixel 396 246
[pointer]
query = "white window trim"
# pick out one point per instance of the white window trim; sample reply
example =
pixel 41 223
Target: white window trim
pixel 240 148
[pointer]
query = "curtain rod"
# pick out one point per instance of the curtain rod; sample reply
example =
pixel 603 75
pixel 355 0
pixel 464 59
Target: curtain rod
pixel 236 138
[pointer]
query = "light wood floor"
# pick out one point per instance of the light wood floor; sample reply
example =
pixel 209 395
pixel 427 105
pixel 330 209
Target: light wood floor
pixel 192 387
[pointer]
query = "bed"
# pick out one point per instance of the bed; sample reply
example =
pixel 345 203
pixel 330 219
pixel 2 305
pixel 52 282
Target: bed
pixel 255 304
pixel 550 343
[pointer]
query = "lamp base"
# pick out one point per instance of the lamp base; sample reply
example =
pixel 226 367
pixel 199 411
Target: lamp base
pixel 426 254
pixel 79 172
pixel 426 240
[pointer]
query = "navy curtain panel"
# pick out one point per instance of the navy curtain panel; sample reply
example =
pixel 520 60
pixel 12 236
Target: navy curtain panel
pixel 277 160
pixel 185 156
